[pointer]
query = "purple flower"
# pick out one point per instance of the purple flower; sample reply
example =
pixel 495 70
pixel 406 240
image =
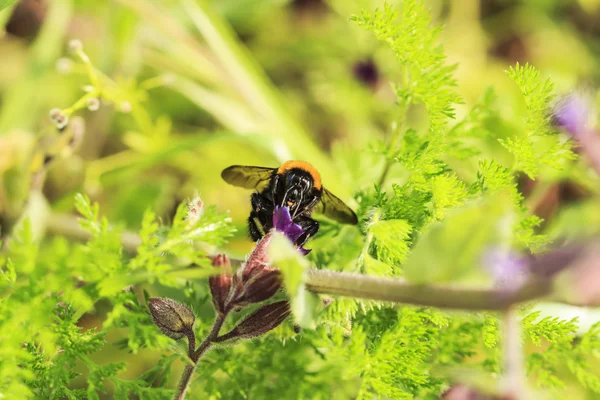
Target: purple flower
pixel 508 269
pixel 572 114
pixel 282 222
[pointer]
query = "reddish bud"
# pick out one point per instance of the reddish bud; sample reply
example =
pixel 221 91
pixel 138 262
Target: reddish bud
pixel 174 319
pixel 261 286
pixel 258 259
pixel 220 284
pixel 259 322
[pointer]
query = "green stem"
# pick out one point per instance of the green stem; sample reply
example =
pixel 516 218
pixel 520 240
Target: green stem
pixel 388 156
pixel 89 67
pixel 368 240
pixel 196 355
pixel 397 290
pixel 396 133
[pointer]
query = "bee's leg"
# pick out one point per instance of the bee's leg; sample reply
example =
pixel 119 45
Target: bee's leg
pixel 274 187
pixel 254 229
pixel 261 217
pixel 309 206
pixel 310 227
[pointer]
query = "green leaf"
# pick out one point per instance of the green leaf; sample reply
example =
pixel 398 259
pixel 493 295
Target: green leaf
pixel 539 146
pixel 416 46
pixel 391 240
pixel 6 3
pixel 293 266
pixel 451 249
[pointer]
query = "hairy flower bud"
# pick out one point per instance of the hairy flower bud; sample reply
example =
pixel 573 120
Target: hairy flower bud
pixel 258 259
pixel 220 284
pixel 174 319
pixel 262 286
pixel 259 322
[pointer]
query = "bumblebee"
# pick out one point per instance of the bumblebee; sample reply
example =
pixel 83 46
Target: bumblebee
pixel 294 184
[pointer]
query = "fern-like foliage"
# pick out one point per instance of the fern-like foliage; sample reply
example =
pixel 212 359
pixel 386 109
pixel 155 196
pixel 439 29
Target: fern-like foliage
pixel 47 288
pixel 416 47
pixel 540 145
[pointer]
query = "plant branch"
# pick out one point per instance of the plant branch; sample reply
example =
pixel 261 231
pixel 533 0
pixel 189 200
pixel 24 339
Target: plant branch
pixel 398 290
pixel 196 355
pixel 394 290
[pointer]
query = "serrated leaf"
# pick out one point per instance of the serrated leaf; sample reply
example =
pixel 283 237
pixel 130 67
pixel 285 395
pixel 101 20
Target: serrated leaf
pixel 391 240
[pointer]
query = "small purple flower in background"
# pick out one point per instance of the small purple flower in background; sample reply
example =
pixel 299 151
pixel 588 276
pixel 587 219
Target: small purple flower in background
pixel 573 114
pixel 282 222
pixel 508 269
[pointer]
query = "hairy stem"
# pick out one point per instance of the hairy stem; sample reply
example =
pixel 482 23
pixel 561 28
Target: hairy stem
pixel 196 355
pixel 397 290
pixel 394 290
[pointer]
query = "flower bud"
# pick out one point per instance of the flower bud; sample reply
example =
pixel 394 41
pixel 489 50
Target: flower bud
pixel 258 259
pixel 259 322
pixel 174 319
pixel 59 118
pixel 75 45
pixel 262 286
pixel 93 104
pixel 220 284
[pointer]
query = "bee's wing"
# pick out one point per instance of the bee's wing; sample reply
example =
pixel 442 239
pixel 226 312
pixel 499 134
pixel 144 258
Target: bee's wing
pixel 248 177
pixel 334 208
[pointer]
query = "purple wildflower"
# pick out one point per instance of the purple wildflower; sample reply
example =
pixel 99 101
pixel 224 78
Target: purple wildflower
pixel 573 115
pixel 282 222
pixel 508 269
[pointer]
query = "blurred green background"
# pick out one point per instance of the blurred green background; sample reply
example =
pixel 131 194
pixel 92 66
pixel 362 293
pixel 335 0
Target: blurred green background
pixel 251 82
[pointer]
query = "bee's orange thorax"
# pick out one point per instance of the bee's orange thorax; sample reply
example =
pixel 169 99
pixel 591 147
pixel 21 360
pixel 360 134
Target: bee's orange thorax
pixel 304 166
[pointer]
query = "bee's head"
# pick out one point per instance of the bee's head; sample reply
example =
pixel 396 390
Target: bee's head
pixel 297 187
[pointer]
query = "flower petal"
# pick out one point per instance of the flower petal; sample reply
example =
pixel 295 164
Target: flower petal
pixel 281 218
